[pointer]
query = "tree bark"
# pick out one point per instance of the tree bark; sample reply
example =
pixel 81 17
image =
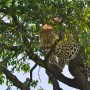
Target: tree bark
pixel 75 70
pixel 13 78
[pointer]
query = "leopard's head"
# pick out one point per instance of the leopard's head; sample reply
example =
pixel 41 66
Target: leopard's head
pixel 47 36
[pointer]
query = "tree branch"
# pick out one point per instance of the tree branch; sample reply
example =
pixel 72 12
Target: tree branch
pixel 15 20
pixel 15 48
pixel 31 73
pixel 74 67
pixel 11 48
pixel 54 81
pixel 4 10
pixel 54 70
pixel 13 78
pixel 7 24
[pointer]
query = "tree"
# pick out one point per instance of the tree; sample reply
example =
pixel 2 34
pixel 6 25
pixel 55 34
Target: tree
pixel 20 25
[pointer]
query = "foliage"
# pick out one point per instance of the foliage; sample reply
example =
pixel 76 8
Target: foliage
pixel 1 79
pixel 34 83
pixel 20 19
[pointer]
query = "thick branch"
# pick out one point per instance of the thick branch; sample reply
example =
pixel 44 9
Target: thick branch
pixel 13 78
pixel 55 72
pixel 74 68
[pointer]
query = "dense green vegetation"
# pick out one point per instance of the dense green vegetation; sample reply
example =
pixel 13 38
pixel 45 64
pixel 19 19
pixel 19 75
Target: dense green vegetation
pixel 20 25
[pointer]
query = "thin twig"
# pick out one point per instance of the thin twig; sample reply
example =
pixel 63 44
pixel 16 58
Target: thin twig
pixel 38 73
pixel 31 71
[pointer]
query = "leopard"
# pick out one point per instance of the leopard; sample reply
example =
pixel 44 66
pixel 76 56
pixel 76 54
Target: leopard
pixel 64 51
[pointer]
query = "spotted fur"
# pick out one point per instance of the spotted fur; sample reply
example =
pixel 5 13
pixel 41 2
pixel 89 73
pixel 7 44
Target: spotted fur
pixel 63 54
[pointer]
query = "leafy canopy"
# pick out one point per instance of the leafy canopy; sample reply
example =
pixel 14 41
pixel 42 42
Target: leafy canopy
pixel 20 19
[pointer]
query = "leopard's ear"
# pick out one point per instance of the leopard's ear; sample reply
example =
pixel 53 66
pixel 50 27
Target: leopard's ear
pixel 47 27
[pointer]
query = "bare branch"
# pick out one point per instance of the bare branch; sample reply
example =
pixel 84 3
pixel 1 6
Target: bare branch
pixel 31 71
